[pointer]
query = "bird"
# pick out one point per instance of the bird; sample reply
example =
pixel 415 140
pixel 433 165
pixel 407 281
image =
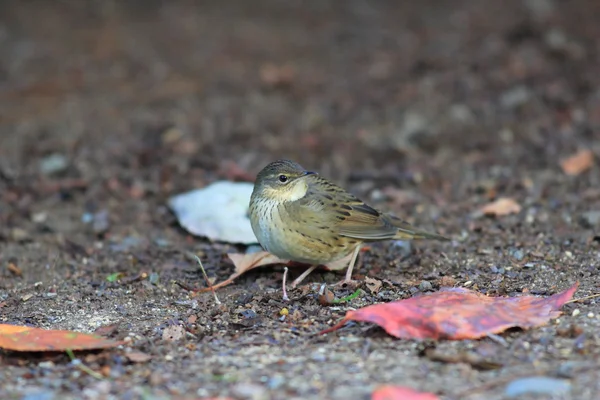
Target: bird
pixel 298 215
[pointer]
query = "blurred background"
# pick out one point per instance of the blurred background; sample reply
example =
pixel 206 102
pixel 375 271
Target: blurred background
pixel 153 91
pixel 434 107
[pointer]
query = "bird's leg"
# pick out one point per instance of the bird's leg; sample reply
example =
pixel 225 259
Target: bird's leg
pixel 351 265
pixel 303 275
pixel 285 273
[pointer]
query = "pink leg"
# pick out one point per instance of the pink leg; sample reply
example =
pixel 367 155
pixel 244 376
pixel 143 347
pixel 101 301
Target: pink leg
pixel 285 273
pixel 304 275
pixel 351 265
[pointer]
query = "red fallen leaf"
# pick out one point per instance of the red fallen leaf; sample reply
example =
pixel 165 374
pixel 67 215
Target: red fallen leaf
pixel 23 338
pixel 578 163
pixel 458 313
pixel 500 207
pixel 390 392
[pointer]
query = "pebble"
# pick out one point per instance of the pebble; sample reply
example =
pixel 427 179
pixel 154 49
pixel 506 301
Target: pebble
pixel 53 164
pixel 250 391
pixel 425 286
pixel 537 384
pixel 19 234
pixel 275 382
pixel 46 364
pixel 576 312
pixel 590 219
pixel 154 278
pixel 517 254
pixel 515 97
pixel 404 246
pixel 41 395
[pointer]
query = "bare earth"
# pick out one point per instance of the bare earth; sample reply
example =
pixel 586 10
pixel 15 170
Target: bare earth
pixel 428 109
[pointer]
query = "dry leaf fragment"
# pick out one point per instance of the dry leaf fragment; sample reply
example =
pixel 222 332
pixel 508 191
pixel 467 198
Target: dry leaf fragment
pixel 502 206
pixel 391 392
pixel 24 338
pixel 14 268
pixel 173 333
pixel 578 163
pixel 458 313
pixel 138 357
pixel 277 75
pixel 374 285
pixel 326 296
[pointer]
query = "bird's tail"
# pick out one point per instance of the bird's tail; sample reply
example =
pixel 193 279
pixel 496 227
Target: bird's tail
pixel 408 232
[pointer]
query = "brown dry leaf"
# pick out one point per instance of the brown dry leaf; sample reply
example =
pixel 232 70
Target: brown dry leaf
pixel 138 357
pixel 326 296
pixel 374 285
pixel 24 338
pixel 500 207
pixel 578 163
pixel 14 268
pixel 244 263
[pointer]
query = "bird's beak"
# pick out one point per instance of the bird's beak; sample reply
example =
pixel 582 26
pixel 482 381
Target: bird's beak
pixel 309 173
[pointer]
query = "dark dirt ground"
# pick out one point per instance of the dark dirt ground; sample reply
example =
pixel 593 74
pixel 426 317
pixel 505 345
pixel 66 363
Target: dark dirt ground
pixel 454 103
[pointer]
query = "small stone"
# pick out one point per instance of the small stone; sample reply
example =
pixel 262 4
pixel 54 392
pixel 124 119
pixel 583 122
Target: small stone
pixel 27 297
pixel 40 217
pixel 251 391
pixel 576 312
pixel 591 315
pixel 153 278
pixel 318 356
pixel 517 254
pixel 539 385
pixel 425 286
pixel 590 219
pixel 46 364
pixel 53 164
pixel 100 223
pixel 515 97
pixel 404 246
pixel 275 382
pixel 19 234
pixel 39 395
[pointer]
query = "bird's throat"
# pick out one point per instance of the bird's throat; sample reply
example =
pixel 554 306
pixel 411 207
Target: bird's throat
pixel 293 192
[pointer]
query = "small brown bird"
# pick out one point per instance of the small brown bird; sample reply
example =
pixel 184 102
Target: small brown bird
pixel 299 216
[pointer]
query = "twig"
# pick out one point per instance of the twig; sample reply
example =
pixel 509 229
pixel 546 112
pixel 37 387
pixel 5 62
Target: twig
pixel 285 295
pixel 592 296
pixel 83 367
pixel 206 278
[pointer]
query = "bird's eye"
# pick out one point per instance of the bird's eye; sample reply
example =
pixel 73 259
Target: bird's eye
pixel 283 178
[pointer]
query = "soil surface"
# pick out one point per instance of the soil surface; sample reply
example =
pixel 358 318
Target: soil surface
pixel 429 109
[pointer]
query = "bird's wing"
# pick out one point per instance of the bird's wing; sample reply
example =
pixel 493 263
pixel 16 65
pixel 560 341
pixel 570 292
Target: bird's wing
pixel 345 213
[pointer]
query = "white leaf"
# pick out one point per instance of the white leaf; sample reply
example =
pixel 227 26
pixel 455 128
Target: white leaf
pixel 219 212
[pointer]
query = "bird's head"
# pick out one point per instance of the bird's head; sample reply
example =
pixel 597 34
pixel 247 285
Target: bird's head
pixel 283 181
